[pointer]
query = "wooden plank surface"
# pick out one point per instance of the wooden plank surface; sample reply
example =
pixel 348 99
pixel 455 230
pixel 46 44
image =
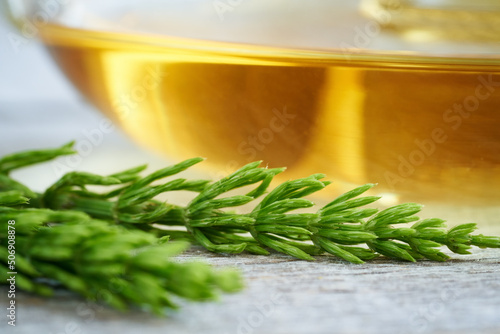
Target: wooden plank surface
pixel 285 296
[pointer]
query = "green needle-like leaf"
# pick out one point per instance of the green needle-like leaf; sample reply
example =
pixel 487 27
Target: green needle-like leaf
pixel 27 158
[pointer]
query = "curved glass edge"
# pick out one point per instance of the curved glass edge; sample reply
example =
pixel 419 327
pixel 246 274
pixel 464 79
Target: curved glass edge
pixel 349 56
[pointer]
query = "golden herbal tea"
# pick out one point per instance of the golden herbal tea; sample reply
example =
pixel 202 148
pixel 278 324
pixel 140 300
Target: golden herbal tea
pixel 427 128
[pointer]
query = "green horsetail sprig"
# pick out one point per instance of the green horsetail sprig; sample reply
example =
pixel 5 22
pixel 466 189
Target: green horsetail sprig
pixel 86 239
pixel 101 261
pixel 339 228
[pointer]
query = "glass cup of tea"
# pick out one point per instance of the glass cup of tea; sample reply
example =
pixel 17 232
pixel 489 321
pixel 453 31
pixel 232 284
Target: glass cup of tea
pixel 405 94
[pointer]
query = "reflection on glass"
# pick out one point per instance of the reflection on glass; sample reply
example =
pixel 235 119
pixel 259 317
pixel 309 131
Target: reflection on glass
pixel 438 19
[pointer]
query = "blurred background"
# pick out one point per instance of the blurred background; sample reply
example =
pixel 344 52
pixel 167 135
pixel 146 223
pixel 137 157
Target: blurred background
pixel 39 108
pixel 29 74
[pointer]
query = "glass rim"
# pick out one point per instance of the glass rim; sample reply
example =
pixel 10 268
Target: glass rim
pixel 353 57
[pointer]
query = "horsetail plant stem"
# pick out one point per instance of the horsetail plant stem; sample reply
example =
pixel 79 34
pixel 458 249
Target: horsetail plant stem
pixel 86 239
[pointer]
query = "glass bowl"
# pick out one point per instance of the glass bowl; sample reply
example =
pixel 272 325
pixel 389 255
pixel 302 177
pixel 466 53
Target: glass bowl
pixel 345 89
